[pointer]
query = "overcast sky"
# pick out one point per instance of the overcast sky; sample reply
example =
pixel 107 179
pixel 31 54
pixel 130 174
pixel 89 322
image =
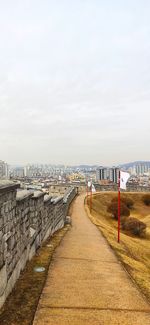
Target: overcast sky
pixel 74 81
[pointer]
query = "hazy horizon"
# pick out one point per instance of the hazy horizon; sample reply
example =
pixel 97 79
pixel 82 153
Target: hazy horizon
pixel 74 82
pixel 76 165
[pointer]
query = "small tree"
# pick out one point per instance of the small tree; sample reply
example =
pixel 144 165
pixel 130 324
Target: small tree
pixel 113 208
pixel 134 226
pixel 146 199
pixel 126 200
pixel 129 202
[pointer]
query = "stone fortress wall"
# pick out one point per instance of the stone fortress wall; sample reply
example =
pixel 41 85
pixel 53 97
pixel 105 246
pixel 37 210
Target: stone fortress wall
pixel 27 219
pixel 114 187
pixel 82 187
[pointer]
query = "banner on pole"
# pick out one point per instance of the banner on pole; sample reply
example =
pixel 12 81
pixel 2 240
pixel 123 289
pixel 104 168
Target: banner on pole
pixel 124 176
pixel 89 184
pixel 93 189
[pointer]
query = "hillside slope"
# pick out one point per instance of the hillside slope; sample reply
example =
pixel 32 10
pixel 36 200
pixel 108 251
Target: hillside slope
pixel 133 252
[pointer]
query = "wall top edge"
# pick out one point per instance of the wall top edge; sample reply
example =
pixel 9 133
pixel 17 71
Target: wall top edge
pixel 23 194
pixel 47 198
pixel 37 195
pixel 6 186
pixel 57 199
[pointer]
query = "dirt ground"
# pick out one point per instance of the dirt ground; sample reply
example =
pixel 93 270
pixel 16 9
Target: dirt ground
pixel 87 284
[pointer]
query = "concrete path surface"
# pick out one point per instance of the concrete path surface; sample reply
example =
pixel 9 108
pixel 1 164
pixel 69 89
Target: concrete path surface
pixel 86 284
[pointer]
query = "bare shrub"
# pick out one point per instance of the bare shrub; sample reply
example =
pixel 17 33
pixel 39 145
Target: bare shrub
pixel 126 200
pixel 146 199
pixel 113 208
pixel 134 226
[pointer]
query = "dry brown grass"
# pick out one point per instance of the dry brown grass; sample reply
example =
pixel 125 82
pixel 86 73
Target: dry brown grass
pixel 134 252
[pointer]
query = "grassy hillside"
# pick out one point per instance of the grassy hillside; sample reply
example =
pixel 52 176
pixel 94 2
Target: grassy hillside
pixel 134 252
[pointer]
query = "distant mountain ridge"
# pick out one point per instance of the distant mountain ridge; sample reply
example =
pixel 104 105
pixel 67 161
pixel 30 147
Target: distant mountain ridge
pixel 134 163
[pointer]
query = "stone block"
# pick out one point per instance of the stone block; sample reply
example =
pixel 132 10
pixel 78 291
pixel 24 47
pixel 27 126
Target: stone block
pixel 3 280
pixel 1 222
pixel 1 236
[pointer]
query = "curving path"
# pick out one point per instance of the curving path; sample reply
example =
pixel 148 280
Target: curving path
pixel 86 284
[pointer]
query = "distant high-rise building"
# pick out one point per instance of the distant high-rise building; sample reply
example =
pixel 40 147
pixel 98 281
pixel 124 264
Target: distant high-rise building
pixel 3 170
pixel 18 172
pixel 107 173
pixel 142 168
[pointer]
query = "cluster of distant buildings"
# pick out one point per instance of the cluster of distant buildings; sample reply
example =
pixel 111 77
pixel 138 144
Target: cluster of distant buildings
pixel 37 171
pixel 140 174
pixel 139 171
pixel 4 171
pixel 57 172
pixel 105 174
pixel 31 171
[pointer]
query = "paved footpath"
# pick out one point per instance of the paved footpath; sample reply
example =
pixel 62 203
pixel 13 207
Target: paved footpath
pixel 86 284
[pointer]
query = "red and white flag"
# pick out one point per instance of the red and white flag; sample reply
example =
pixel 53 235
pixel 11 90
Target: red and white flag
pixel 124 176
pixel 93 189
pixel 89 184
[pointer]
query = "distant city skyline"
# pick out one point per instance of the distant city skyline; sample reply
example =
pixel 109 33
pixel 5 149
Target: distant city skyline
pixel 130 163
pixel 74 82
pixel 61 172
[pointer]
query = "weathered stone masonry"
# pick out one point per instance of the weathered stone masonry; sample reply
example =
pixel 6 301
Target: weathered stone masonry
pixel 26 220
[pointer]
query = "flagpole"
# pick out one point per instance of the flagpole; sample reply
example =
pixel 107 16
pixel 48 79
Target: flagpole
pixel 119 208
pixel 87 192
pixel 91 197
